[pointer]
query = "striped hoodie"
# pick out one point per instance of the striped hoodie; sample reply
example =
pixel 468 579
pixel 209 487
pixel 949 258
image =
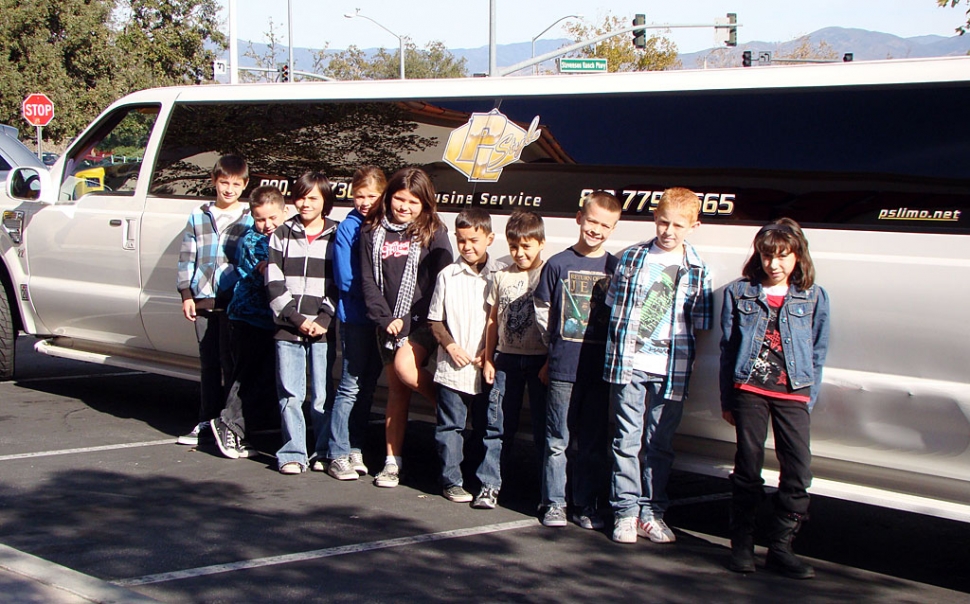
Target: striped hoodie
pixel 299 278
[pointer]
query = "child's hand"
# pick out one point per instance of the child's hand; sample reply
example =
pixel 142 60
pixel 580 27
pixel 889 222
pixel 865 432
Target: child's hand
pixel 488 371
pixel 395 327
pixel 307 327
pixel 261 267
pixel 458 355
pixel 544 373
pixel 188 309
pixel 728 417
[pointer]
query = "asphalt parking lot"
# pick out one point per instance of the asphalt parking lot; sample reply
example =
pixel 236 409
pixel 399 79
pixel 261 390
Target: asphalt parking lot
pixel 98 504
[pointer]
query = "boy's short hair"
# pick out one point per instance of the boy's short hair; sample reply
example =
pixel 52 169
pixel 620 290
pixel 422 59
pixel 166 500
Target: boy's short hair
pixel 474 218
pixel 525 224
pixel 231 165
pixel 681 199
pixel 266 194
pixel 605 200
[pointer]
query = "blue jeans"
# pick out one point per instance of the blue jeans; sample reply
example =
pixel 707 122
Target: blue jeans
pixel 355 393
pixel 513 374
pixel 640 473
pixel 578 412
pixel 452 412
pixel 293 359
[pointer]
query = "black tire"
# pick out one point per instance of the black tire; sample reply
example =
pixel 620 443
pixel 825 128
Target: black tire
pixel 8 337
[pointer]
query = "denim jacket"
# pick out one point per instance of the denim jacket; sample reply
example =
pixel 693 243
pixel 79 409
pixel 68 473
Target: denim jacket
pixel 803 321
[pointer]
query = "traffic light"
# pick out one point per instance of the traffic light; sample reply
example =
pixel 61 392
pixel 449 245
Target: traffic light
pixel 733 30
pixel 285 73
pixel 640 35
pixel 746 58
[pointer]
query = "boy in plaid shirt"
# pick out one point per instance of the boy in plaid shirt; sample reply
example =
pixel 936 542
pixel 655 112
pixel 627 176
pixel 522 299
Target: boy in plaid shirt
pixel 660 293
pixel 206 277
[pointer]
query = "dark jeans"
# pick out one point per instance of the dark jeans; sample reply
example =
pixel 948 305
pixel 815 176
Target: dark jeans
pixel 361 369
pixel 215 358
pixel 452 412
pixel 513 374
pixel 253 390
pixel 790 423
pixel 577 443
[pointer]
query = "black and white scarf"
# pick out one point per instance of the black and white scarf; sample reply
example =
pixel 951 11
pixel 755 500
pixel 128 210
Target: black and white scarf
pixel 402 307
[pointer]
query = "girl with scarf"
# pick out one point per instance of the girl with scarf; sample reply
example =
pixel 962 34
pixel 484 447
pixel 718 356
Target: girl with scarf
pixel 404 246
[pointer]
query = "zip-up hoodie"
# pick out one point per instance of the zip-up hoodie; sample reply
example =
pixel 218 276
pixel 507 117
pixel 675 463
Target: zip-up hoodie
pixel 299 278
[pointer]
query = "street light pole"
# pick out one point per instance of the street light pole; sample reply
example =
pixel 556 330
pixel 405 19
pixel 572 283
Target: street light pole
pixel 535 68
pixel 400 39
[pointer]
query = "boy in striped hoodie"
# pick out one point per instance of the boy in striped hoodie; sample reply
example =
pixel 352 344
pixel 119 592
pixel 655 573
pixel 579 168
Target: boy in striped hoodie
pixel 302 295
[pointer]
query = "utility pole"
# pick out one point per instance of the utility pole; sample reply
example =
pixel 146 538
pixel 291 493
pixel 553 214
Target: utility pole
pixel 492 58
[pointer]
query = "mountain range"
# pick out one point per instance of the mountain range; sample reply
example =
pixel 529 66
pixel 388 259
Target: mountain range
pixel 863 44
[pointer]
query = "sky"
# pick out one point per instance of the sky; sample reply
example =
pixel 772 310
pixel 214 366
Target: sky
pixel 464 24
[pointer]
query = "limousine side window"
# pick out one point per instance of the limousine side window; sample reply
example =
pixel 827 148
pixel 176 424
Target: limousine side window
pixel 110 158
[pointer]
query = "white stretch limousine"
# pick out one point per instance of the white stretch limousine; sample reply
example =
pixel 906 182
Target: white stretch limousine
pixel 870 157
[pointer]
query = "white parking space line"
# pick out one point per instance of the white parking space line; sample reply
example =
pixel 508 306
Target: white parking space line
pixel 325 553
pixel 150 443
pixel 75 377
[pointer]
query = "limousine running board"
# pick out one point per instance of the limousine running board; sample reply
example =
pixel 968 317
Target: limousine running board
pixel 137 363
pixel 839 490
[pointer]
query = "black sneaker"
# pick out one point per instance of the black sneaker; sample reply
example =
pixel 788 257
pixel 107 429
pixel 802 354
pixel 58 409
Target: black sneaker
pixel 487 499
pixel 226 439
pixel 200 431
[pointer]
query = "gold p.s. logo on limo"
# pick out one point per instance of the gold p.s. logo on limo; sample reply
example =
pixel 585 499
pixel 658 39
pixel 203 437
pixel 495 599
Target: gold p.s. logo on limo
pixel 488 142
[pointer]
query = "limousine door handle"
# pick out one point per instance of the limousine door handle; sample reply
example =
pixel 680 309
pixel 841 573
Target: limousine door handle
pixel 114 222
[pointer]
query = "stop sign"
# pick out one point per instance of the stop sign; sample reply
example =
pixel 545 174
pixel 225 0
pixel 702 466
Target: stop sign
pixel 38 109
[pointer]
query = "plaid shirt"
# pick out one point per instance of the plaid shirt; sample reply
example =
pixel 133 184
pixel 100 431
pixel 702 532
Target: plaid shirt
pixel 206 256
pixel 693 309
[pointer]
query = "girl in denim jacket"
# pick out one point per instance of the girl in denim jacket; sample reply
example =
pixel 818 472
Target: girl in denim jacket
pixel 774 337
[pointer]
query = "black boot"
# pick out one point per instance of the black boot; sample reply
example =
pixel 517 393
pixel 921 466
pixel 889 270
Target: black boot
pixel 742 538
pixel 781 558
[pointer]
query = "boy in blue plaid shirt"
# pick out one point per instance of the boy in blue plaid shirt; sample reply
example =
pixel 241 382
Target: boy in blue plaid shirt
pixel 660 293
pixel 206 277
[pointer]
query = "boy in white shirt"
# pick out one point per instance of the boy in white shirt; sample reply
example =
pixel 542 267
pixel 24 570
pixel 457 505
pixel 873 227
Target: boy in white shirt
pixel 458 315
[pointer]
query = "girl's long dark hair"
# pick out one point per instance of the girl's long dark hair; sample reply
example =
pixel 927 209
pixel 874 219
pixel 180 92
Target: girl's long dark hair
pixel 782 235
pixel 416 182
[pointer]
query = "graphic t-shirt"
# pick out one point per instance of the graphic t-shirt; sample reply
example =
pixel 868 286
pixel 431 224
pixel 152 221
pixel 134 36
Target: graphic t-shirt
pixel 512 290
pixel 768 376
pixel 572 291
pixel 656 315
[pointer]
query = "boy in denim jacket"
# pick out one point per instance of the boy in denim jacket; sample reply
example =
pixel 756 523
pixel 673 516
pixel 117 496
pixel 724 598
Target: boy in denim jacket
pixel 660 294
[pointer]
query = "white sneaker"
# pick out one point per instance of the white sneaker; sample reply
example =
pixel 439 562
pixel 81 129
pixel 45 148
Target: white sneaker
pixel 656 530
pixel 357 463
pixel 625 529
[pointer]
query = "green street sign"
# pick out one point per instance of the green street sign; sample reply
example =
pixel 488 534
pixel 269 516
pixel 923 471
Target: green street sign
pixel 582 65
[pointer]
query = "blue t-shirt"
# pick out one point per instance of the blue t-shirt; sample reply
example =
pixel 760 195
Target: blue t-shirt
pixel 575 287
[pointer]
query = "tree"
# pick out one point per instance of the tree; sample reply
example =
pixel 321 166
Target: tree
pixel 965 27
pixel 84 54
pixel 804 49
pixel 434 61
pixel 168 40
pixel 268 59
pixel 620 53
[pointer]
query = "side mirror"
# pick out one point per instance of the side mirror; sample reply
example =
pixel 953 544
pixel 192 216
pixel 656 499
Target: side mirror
pixel 30 184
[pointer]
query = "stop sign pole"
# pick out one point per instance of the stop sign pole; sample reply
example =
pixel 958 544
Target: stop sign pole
pixel 38 110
